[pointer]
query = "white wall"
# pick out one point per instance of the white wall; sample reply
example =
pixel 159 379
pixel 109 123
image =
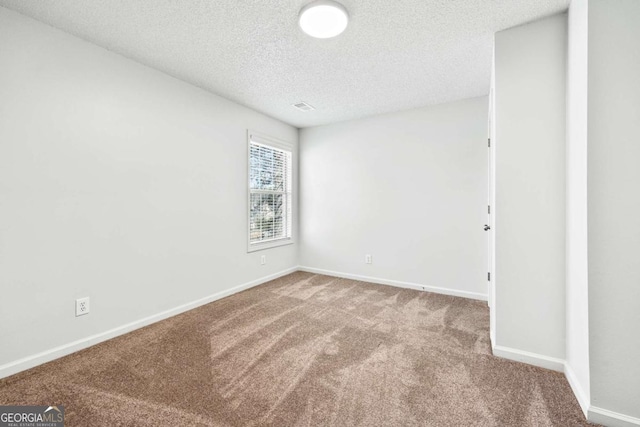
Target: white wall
pixel 577 292
pixel 530 191
pixel 614 205
pixel 117 182
pixel 409 188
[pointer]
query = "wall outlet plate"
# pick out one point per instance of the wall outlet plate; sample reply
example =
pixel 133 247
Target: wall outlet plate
pixel 367 259
pixel 263 260
pixel 82 306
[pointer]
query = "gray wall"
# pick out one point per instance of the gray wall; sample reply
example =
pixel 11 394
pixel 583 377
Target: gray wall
pixel 614 204
pixel 409 188
pixel 530 190
pixel 117 182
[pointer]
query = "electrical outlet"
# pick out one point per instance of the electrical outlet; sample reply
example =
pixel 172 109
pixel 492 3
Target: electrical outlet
pixel 367 259
pixel 82 306
pixel 263 260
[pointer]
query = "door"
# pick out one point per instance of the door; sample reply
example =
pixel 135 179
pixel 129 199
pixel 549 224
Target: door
pixel 490 224
pixel 487 225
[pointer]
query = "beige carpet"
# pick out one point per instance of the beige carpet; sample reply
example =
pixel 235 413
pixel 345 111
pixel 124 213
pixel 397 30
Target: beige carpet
pixel 304 350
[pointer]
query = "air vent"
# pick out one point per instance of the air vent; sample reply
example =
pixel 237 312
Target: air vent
pixel 303 106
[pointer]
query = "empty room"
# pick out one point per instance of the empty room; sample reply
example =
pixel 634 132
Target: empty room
pixel 319 213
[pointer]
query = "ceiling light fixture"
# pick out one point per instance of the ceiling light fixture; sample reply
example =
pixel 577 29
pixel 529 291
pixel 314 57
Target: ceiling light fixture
pixel 323 19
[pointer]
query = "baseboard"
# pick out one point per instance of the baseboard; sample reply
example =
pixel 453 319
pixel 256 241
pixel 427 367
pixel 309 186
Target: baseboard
pixel 610 418
pixel 576 387
pixel 28 362
pixel 397 283
pixel 530 358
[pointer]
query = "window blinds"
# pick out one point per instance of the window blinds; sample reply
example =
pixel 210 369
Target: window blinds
pixel 270 177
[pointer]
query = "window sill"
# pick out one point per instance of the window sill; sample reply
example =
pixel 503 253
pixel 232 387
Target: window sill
pixel 268 245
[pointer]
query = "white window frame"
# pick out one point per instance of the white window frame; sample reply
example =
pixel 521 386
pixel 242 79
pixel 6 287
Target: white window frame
pixel 280 145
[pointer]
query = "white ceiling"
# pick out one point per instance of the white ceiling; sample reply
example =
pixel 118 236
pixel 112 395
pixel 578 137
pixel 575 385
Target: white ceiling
pixel 394 55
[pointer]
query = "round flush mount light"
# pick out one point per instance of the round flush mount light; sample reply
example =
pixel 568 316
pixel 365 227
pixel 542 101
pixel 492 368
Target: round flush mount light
pixel 323 19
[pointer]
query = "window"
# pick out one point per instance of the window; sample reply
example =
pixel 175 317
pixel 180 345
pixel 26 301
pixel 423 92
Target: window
pixel 270 182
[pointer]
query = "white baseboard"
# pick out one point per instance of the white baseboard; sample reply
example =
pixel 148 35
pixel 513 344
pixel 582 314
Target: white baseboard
pixel 396 283
pixel 593 413
pixel 530 358
pixel 576 387
pixel 610 418
pixel 63 350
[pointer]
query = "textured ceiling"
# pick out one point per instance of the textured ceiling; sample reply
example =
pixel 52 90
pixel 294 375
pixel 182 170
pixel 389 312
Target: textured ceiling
pixel 395 54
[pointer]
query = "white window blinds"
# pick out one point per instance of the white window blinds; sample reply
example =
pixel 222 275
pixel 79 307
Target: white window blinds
pixel 270 178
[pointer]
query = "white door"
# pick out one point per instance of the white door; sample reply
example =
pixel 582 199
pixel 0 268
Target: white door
pixel 490 224
pixel 487 226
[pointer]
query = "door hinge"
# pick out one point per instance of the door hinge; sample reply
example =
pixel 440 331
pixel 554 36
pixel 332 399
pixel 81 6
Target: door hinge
pixel 489 209
pixel 489 277
pixel 489 142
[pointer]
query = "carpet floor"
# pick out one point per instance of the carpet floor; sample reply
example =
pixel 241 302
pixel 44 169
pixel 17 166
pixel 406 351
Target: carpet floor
pixel 304 350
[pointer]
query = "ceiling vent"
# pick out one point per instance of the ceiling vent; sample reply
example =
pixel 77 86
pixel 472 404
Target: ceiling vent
pixel 303 106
